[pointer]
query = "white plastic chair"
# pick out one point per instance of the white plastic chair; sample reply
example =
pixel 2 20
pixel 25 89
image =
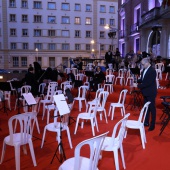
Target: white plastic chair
pixel 129 78
pixel 85 163
pixel 8 98
pixel 108 85
pixel 114 143
pixel 109 71
pixel 41 89
pixel 119 104
pixel 67 70
pixel 158 74
pixel 48 98
pixel 139 124
pixel 102 102
pixel 57 127
pixel 89 115
pixel 18 139
pixel 121 76
pixel 93 102
pixel 160 66
pixel 82 90
pixel 51 106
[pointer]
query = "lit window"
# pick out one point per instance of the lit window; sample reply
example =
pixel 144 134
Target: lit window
pixel 65 6
pixel 51 5
pixel 51 19
pixel 88 7
pixel 65 20
pixel 77 7
pixel 102 8
pixel 77 20
pixel 88 21
pixel 112 9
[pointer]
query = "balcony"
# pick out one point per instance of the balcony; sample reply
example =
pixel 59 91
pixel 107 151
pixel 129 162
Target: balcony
pixel 134 29
pixel 150 16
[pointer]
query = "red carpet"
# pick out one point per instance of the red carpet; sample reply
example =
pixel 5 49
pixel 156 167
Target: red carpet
pixel 154 157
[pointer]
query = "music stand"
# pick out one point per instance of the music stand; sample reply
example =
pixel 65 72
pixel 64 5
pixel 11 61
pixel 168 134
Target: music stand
pixel 4 86
pixel 63 110
pixel 16 85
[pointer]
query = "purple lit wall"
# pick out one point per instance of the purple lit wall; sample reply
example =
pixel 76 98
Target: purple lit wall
pixel 151 4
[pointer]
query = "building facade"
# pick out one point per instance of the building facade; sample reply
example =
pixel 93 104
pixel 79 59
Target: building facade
pixel 52 31
pixel 144 26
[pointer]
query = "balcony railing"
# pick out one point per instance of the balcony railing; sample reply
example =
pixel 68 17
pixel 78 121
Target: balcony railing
pixel 150 15
pixel 134 28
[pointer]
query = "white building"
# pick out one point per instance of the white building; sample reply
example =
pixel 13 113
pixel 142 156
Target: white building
pixel 52 31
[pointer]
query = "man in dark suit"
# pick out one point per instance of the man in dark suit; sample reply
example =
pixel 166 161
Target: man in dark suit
pixel 108 57
pixel 147 85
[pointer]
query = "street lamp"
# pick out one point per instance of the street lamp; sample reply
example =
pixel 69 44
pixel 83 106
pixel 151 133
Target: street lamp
pixel 92 42
pixel 111 34
pixel 37 54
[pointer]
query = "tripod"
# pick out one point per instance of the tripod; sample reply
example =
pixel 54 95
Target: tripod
pixel 60 148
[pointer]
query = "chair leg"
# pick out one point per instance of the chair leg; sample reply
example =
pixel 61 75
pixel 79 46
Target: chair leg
pixel 42 143
pixel 113 111
pixel 116 159
pixel 142 138
pixel 17 157
pixel 105 115
pixel 3 152
pixel 92 127
pixel 69 138
pixel 110 108
pixel 95 120
pixel 122 156
pixel 37 124
pixel 32 152
pixel 77 122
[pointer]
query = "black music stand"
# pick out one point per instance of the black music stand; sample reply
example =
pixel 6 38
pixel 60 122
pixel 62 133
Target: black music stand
pixel 16 85
pixel 89 74
pixel 63 110
pixel 4 86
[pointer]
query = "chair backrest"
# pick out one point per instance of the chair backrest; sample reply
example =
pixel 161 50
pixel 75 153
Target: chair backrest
pixel 103 97
pixel 25 89
pixel 24 129
pixel 95 145
pixel 50 91
pixel 82 90
pixel 80 76
pixel 121 72
pixel 122 96
pixel 110 79
pixel 67 70
pixel 119 130
pixel 143 112
pixel 98 92
pixel 41 88
pixel 74 71
pixel 109 71
pixel 159 66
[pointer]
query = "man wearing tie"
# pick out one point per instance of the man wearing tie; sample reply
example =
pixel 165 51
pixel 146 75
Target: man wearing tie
pixel 147 85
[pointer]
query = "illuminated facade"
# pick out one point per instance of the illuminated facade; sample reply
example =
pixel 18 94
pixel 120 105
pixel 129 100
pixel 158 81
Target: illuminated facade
pixel 52 31
pixel 144 26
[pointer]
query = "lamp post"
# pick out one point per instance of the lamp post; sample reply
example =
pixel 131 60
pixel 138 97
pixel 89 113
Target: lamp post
pixel 92 42
pixel 36 59
pixel 111 34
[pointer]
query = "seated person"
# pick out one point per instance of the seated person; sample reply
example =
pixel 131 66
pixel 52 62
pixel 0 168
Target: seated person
pixel 71 77
pixel 97 78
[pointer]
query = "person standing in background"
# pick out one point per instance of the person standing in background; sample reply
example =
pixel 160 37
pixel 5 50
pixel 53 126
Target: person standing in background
pixel 147 85
pixel 108 57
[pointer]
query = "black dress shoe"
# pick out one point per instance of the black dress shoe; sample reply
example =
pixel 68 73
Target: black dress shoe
pixel 151 128
pixel 146 124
